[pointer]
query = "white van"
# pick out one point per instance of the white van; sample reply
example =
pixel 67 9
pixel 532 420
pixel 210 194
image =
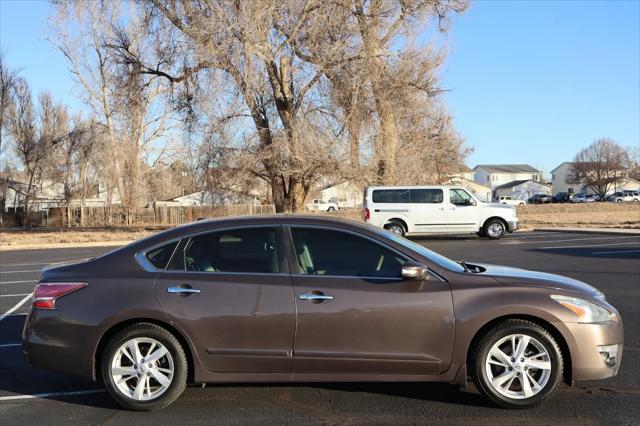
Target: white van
pixel 411 210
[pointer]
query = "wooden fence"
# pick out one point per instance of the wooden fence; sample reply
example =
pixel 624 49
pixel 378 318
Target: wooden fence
pixel 162 215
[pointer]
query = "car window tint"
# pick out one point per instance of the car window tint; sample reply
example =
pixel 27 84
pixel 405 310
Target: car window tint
pixel 241 250
pixel 326 252
pixel 459 196
pixel 426 196
pixel 160 256
pixel 391 196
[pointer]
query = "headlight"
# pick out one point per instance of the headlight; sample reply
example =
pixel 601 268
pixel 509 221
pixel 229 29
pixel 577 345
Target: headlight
pixel 587 312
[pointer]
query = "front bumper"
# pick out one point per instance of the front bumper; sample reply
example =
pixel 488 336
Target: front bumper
pixel 512 225
pixel 596 349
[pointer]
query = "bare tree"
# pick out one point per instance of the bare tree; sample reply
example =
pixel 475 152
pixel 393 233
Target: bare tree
pixel 599 166
pixel 8 80
pixel 35 134
pixel 128 104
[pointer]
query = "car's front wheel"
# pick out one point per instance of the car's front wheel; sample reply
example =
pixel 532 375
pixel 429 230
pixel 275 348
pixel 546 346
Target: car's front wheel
pixel 144 367
pixel 517 364
pixel 494 229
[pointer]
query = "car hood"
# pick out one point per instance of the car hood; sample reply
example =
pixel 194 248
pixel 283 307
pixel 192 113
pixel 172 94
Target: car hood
pixel 506 274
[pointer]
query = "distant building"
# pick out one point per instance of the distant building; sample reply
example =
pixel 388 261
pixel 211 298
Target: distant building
pixel 210 198
pixel 560 177
pixel 494 175
pixel 345 194
pixel 521 189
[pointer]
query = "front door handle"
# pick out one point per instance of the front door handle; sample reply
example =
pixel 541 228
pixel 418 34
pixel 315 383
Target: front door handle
pixel 315 297
pixel 183 291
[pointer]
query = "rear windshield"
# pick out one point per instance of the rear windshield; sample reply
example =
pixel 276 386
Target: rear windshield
pixel 414 196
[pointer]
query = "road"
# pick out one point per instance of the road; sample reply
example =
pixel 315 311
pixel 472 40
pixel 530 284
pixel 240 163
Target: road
pixel 609 262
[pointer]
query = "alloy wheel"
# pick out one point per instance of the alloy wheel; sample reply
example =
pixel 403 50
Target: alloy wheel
pixel 495 230
pixel 518 366
pixel 142 369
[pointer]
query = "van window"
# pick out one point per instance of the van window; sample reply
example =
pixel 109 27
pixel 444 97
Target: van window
pixel 426 196
pixel 391 196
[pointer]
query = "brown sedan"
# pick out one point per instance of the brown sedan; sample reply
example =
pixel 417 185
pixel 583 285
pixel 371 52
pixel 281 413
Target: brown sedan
pixel 295 298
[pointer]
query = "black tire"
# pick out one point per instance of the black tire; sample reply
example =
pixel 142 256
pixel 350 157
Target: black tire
pixel 396 227
pixel 178 382
pixel 477 364
pixel 491 225
pixel 481 233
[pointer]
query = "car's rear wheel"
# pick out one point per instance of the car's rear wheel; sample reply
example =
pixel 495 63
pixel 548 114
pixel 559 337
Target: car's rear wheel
pixel 494 229
pixel 144 367
pixel 517 364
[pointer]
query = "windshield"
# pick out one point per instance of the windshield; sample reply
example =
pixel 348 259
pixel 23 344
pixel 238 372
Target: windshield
pixel 423 251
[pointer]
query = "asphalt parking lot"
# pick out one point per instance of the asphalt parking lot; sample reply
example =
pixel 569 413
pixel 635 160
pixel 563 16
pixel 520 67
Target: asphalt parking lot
pixel 609 262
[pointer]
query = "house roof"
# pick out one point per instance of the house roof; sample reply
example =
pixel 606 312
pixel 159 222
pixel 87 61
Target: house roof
pixel 562 164
pixel 518 182
pixel 506 168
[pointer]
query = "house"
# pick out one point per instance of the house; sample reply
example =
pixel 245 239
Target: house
pixel 560 177
pixel 494 175
pixel 345 194
pixel 521 189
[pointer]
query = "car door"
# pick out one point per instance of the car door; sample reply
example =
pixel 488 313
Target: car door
pixel 230 290
pixel 462 211
pixel 357 315
pixel 427 210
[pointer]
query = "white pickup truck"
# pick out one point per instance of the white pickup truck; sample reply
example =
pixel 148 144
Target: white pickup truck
pixel 506 199
pixel 322 205
pixel 412 210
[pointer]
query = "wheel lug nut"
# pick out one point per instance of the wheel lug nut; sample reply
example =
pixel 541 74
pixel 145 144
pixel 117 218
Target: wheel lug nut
pixel 521 359
pixel 150 365
pixel 518 374
pixel 510 368
pixel 513 360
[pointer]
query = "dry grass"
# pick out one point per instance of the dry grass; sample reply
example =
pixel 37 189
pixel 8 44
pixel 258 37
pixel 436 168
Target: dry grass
pixel 592 215
pixel 588 215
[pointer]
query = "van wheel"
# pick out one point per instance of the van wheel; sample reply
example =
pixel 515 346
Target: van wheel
pixel 494 229
pixel 144 367
pixel 331 209
pixel 517 364
pixel 396 228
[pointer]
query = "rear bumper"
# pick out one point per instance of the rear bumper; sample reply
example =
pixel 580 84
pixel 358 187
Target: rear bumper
pixel 596 349
pixel 46 346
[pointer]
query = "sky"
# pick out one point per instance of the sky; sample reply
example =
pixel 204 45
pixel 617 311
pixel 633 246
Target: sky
pixel 528 81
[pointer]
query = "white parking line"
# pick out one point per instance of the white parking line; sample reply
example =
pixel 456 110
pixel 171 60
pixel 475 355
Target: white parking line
pixel 592 245
pixel 18 272
pixel 10 345
pixel 614 252
pixel 13 295
pixel 16 307
pixel 572 239
pixel 18 282
pixel 50 395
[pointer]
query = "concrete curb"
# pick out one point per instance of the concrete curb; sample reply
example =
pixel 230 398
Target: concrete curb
pixel 616 231
pixel 18 247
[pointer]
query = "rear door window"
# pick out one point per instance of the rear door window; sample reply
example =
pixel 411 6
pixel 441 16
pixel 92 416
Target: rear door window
pixel 246 250
pixel 426 196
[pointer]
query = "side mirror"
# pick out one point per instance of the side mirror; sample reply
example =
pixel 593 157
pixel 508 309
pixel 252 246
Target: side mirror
pixel 414 271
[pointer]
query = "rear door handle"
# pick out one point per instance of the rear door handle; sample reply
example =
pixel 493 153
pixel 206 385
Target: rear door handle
pixel 183 290
pixel 315 297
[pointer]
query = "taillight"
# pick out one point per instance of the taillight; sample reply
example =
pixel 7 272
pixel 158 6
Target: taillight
pixel 367 215
pixel 45 294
